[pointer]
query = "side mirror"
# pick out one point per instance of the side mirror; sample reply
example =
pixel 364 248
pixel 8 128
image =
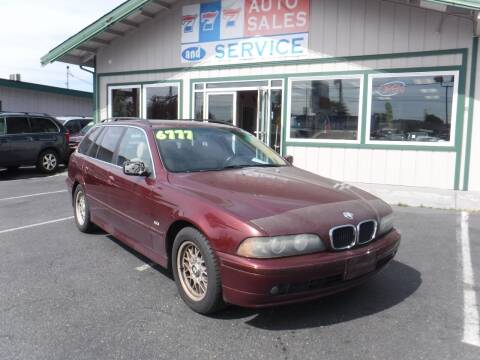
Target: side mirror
pixel 135 168
pixel 289 159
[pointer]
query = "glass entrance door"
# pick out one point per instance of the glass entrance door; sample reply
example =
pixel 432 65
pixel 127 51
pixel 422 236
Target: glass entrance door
pixel 255 106
pixel 221 106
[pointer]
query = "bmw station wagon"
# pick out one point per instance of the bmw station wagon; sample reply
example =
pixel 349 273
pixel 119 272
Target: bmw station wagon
pixel 235 222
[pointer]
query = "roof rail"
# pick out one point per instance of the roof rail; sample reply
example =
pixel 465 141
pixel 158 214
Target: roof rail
pixel 152 121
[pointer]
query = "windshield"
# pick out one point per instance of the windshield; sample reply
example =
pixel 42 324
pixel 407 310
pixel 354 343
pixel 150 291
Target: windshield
pixel 213 149
pixel 87 127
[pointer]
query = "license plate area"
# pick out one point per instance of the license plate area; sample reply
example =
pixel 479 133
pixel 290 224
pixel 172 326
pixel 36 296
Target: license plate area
pixel 360 265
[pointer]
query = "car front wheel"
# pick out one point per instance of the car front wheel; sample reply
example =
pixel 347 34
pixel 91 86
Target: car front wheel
pixel 81 211
pixel 48 162
pixel 196 272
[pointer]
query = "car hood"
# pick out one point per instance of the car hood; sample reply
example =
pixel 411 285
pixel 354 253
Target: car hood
pixel 283 200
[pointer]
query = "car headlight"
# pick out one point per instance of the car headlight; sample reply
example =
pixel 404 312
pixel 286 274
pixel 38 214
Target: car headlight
pixel 386 224
pixel 280 246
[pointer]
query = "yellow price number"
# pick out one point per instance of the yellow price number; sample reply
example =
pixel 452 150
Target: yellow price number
pixel 175 134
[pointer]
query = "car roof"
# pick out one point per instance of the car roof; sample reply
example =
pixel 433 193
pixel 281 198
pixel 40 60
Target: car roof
pixel 12 113
pixel 68 118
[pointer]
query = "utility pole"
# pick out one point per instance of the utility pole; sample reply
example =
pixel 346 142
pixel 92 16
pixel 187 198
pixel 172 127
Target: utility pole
pixel 68 77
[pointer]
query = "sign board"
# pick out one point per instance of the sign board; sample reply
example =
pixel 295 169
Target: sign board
pixel 230 30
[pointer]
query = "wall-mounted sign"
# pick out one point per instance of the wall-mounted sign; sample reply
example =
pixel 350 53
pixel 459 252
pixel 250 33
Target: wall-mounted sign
pixel 245 29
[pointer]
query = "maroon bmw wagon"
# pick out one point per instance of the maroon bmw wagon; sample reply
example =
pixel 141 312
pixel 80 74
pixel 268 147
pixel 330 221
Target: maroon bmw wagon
pixel 234 221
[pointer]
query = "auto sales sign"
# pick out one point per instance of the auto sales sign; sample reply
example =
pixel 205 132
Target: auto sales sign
pixel 234 30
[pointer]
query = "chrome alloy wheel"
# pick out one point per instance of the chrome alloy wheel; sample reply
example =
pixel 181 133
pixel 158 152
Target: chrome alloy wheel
pixel 80 208
pixel 49 161
pixel 192 271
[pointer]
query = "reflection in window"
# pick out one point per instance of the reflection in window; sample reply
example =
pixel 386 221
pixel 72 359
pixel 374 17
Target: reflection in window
pixel 162 102
pixel 125 102
pixel 198 106
pixel 412 108
pixel 325 109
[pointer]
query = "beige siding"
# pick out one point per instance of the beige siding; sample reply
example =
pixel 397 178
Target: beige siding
pixel 396 167
pixel 43 102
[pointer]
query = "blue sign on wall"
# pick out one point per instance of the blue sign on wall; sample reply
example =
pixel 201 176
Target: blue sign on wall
pixel 210 21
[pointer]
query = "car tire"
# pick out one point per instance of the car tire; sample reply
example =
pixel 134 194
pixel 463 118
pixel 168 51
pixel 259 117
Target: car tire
pixel 48 162
pixel 81 211
pixel 200 265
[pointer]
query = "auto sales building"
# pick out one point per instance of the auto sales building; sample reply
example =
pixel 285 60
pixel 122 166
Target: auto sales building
pixel 371 91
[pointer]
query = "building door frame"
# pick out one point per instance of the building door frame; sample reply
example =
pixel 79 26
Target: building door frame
pixel 264 106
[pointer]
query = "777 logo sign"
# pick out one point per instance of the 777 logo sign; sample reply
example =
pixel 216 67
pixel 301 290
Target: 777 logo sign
pixel 208 20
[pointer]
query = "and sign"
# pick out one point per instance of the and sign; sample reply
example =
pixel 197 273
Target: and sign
pixel 245 29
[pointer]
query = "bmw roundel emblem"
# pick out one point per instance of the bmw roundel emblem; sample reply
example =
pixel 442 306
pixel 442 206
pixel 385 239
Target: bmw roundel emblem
pixel 348 215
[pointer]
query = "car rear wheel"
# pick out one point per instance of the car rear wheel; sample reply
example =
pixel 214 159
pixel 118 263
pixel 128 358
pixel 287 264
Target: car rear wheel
pixel 48 162
pixel 81 211
pixel 196 272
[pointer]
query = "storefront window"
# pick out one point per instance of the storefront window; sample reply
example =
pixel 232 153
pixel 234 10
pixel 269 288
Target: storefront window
pixel 161 102
pixel 412 108
pixel 125 102
pixel 325 109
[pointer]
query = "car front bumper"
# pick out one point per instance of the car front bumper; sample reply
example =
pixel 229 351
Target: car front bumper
pixel 261 283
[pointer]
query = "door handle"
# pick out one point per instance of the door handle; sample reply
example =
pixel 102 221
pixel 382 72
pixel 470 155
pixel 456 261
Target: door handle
pixel 111 179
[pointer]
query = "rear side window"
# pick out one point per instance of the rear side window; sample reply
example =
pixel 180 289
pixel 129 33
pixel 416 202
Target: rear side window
pixel 92 152
pixel 2 126
pixel 43 125
pixel 109 143
pixel 84 123
pixel 18 125
pixel 73 126
pixel 88 141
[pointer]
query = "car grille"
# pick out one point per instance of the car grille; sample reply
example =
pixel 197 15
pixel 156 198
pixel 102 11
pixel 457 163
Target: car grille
pixel 366 231
pixel 343 237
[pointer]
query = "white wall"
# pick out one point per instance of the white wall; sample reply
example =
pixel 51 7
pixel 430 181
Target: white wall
pixel 43 102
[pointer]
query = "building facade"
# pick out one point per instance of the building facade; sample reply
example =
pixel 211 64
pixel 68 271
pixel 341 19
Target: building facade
pixel 19 96
pixel 370 91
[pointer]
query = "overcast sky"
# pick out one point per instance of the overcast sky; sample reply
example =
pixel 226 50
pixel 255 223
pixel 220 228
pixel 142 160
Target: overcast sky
pixel 31 28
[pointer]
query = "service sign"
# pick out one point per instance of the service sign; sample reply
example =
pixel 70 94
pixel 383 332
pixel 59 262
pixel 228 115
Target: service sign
pixel 230 30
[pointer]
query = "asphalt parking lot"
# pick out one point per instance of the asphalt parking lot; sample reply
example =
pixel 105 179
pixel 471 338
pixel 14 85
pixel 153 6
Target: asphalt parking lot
pixel 67 295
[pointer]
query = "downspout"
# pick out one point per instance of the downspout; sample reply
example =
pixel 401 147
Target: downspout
pixel 95 90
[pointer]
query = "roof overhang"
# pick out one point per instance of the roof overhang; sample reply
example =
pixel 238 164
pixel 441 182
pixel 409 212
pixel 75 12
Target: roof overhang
pixel 81 48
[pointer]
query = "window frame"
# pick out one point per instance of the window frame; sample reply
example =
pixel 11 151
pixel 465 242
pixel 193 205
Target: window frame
pixel 413 144
pixel 144 101
pixel 120 87
pixel 361 96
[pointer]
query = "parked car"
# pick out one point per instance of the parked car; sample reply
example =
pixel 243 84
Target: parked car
pixel 75 125
pixel 77 138
pixel 32 139
pixel 234 221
